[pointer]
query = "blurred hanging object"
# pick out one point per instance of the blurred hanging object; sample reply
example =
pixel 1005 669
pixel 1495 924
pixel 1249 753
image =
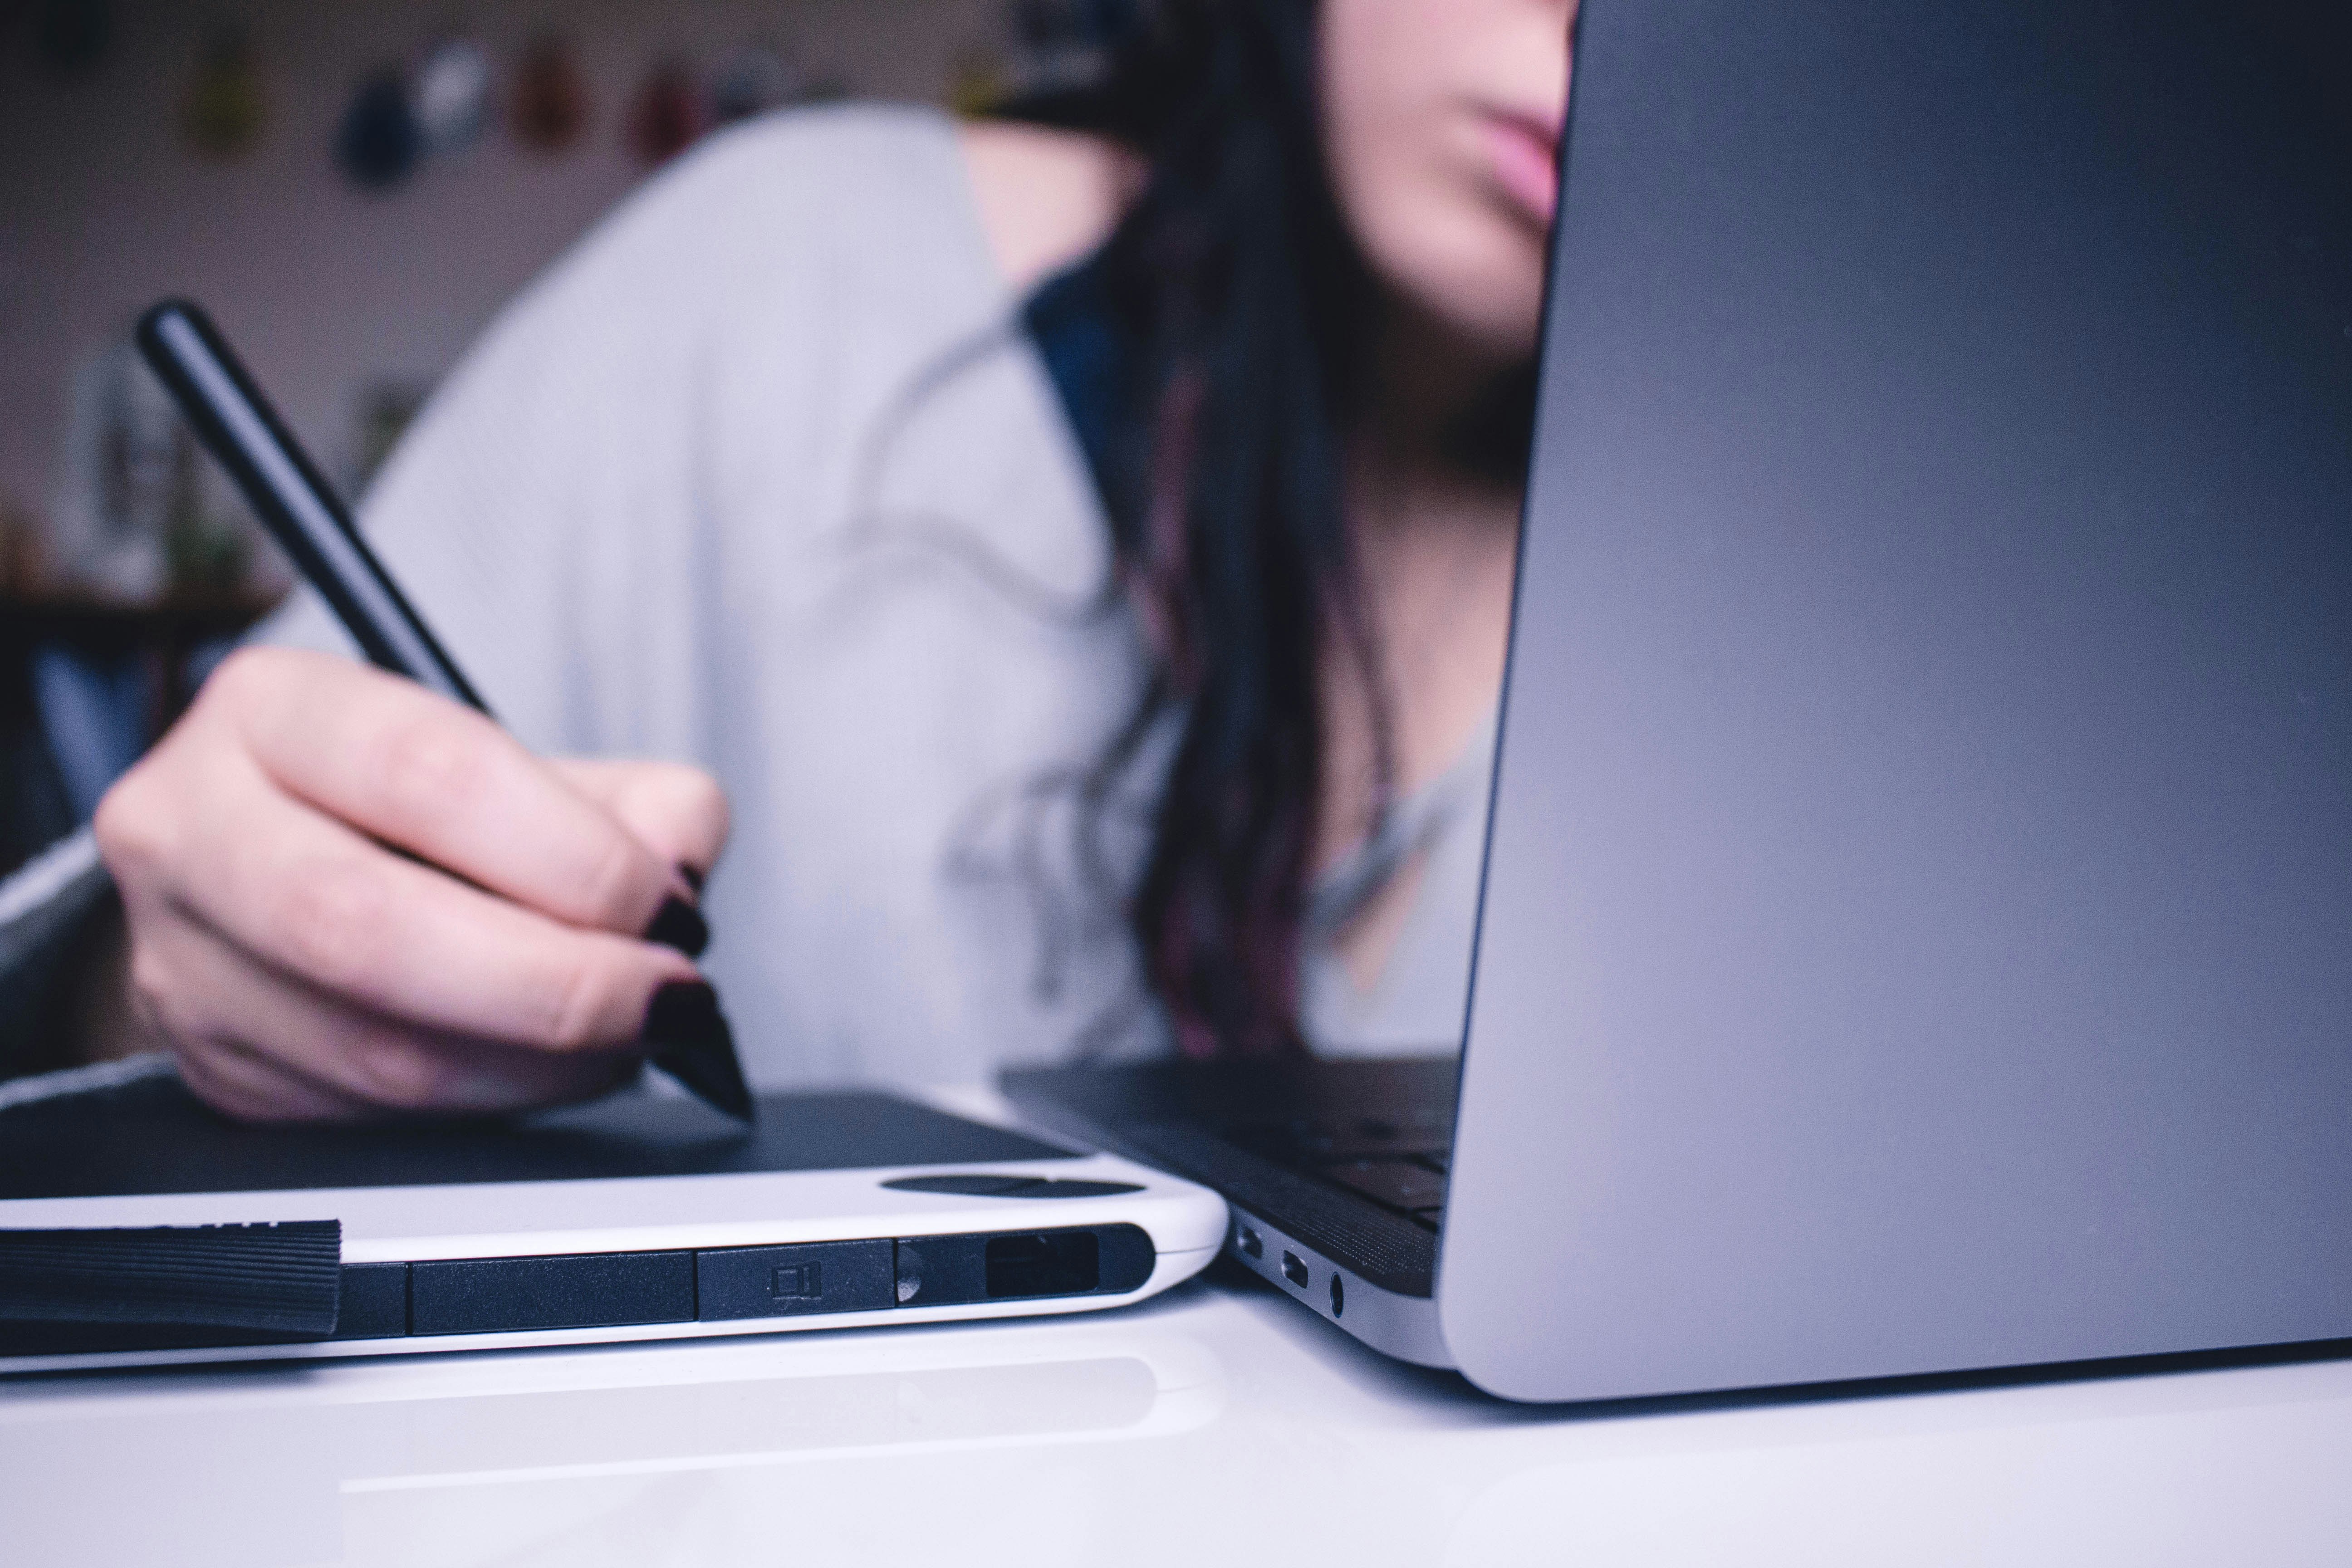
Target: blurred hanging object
pixel 225 111
pixel 666 114
pixel 453 97
pixel 71 37
pixel 753 80
pixel 548 108
pixel 378 143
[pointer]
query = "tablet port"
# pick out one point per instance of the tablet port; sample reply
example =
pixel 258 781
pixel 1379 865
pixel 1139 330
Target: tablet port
pixel 1338 1296
pixel 1251 1246
pixel 1057 1263
pixel 1293 1271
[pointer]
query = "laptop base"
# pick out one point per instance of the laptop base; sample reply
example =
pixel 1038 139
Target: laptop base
pixel 1333 1171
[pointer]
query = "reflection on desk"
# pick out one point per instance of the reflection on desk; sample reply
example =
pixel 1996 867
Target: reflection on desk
pixel 1219 1423
pixel 258 1465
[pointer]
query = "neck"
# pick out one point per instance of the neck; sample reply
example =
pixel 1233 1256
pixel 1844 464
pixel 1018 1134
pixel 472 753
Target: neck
pixel 1444 419
pixel 1434 469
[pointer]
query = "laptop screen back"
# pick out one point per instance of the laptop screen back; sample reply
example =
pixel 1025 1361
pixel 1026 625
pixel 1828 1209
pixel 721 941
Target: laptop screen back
pixel 1917 929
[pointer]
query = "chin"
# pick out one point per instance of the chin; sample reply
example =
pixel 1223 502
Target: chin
pixel 1493 308
pixel 1500 331
pixel 1471 268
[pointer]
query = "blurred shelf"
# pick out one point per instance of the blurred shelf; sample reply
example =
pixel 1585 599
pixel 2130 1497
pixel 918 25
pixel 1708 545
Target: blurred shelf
pixel 100 625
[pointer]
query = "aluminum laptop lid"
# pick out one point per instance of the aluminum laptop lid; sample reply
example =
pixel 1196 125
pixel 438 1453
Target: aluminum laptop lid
pixel 1917 928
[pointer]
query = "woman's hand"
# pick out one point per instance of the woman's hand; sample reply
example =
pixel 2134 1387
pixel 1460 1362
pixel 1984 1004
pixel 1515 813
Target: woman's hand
pixel 348 897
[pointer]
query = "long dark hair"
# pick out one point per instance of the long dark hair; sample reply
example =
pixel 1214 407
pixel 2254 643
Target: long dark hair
pixel 1243 310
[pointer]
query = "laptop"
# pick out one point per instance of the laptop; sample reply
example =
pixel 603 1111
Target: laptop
pixel 1917 927
pixel 641 1216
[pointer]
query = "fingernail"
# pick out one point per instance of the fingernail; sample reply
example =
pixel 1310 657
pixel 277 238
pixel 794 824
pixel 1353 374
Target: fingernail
pixel 695 876
pixel 680 925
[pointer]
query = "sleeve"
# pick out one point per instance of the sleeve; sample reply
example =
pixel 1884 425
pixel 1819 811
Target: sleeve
pixel 553 447
pixel 571 511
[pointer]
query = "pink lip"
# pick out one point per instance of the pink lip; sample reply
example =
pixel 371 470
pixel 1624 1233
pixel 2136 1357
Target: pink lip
pixel 1523 156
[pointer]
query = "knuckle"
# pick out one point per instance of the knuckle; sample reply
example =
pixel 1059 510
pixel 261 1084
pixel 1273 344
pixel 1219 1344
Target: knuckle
pixel 130 822
pixel 150 976
pixel 156 991
pixel 330 922
pixel 247 678
pixel 426 762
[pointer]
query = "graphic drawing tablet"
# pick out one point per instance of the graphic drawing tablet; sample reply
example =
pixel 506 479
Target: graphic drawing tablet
pixel 636 1217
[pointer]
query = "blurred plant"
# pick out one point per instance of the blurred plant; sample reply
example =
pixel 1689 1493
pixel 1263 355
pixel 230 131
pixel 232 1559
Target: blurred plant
pixel 979 81
pixel 226 109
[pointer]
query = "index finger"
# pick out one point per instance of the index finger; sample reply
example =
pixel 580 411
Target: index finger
pixel 443 781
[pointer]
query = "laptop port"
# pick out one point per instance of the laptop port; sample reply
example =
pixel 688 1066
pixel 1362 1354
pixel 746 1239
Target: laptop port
pixel 1293 1271
pixel 1338 1296
pixel 1252 1246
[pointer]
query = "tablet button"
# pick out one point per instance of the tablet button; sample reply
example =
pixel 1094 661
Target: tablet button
pixel 786 1281
pixel 503 1295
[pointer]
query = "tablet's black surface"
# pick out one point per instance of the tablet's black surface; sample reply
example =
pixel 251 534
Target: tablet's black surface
pixel 152 1136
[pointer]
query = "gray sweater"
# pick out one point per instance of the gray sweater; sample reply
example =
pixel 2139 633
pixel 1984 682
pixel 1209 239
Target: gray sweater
pixel 763 476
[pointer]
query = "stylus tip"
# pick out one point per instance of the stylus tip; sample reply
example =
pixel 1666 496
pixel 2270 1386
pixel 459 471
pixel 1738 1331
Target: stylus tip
pixel 692 1043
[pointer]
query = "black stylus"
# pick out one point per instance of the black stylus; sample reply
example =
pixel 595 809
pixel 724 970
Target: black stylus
pixel 688 1035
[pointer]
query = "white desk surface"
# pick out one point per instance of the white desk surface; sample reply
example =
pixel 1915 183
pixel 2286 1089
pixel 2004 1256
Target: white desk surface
pixel 1219 1424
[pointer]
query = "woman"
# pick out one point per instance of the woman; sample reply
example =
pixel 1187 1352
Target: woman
pixel 1082 565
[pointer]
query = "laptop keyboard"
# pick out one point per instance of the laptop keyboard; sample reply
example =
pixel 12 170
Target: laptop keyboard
pixel 1399 1163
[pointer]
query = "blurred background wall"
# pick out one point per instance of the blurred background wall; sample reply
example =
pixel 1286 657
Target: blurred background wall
pixel 107 202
